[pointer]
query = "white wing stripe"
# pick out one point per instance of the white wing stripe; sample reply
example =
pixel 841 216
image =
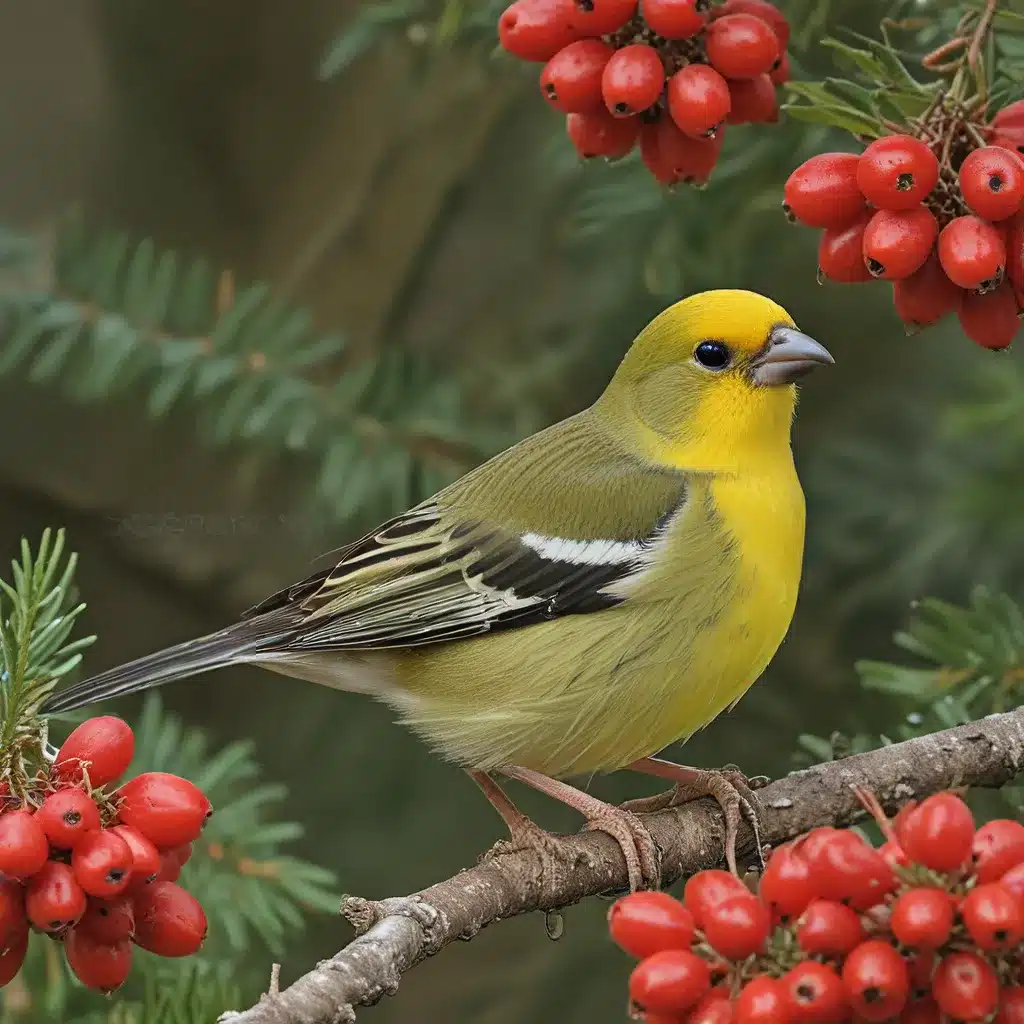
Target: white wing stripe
pixel 585 552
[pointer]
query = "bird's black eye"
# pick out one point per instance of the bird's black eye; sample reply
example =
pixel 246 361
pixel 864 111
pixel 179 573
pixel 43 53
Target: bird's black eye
pixel 712 354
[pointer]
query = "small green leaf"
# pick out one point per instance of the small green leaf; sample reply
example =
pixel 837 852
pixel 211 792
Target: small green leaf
pixel 837 117
pixel 861 59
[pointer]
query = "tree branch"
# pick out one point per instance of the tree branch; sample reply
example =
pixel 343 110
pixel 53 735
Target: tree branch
pixel 394 934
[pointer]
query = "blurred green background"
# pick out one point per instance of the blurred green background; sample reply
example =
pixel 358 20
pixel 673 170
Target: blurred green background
pixel 424 201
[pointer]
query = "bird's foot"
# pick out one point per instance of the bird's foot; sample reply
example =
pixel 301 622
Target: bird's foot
pixel 729 788
pixel 643 858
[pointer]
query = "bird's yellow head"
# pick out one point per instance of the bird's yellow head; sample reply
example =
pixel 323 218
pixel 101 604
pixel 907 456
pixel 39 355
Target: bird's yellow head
pixel 709 381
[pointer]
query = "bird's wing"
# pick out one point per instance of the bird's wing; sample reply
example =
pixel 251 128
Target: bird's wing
pixel 429 576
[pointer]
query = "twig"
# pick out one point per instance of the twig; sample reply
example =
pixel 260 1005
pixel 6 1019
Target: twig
pixel 394 934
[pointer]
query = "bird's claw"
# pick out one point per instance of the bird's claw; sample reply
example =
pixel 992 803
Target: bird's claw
pixel 639 848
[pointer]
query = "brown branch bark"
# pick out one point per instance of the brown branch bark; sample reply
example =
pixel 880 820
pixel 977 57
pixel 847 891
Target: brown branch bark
pixel 395 934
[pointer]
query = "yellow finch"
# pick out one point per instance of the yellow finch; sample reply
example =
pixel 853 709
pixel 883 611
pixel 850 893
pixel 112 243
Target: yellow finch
pixel 598 591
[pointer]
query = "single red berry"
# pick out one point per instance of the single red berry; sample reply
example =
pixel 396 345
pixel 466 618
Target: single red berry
pixel 922 918
pixel 168 920
pixel 23 845
pixel 698 99
pixel 706 888
pixel 1011 116
pixel 741 46
pixel 990 319
pixel 898 242
pixel 145 856
pixel 845 867
pixel 814 994
pixel 924 298
pixel 600 134
pixel 762 9
pixel 715 1008
pixel 13 956
pixel 830 929
pixel 939 832
pixel 761 1001
pixel 66 815
pixel 921 1011
pixel 536 30
pixel 165 808
pixel 998 845
pixel 54 899
pixel 965 987
pixel 841 252
pixel 901 817
pixel 782 73
pixel 973 254
pixel 876 981
pixel 102 862
pixel 632 80
pixel 994 916
pixel 786 885
pixel 571 80
pixel 12 911
pixel 643 923
pixel 822 192
pixel 102 746
pixel 98 965
pixel 1011 1005
pixel 670 981
pixel 601 17
pixel 737 927
pixel 753 101
pixel 673 157
pixel 676 19
pixel 109 920
pixel 897 172
pixel 992 182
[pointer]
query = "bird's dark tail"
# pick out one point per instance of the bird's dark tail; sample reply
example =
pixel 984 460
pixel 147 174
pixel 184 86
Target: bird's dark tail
pixel 226 647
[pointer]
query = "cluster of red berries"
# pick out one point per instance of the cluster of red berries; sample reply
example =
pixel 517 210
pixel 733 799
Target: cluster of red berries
pixel 670 76
pixel 927 929
pixel 97 871
pixel 949 243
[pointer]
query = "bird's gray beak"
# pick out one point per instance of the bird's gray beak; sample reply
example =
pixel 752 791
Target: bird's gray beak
pixel 789 356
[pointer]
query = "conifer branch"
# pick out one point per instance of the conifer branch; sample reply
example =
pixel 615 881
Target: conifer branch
pixel 395 934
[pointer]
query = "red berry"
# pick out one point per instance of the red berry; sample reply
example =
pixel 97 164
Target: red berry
pixel 998 845
pixel 822 192
pixel 102 746
pixel 168 920
pixel 938 833
pixel 922 299
pixel 1011 1005
pixel 54 899
pixel 13 956
pixel 1012 141
pixel 767 12
pixel 841 252
pixel 992 182
pixel 23 846
pixel 761 1001
pixel 600 17
pixel 536 30
pixel 972 253
pixel 172 861
pixel 165 808
pixel 600 134
pixel 845 867
pixel 66 816
pixel 753 101
pixel 571 80
pixel 1011 116
pixel 676 19
pixel 922 918
pixel 698 99
pixel 830 929
pixel 898 242
pixel 1014 231
pixel 673 157
pixel 145 856
pixel 965 987
pixel 783 73
pixel 737 927
pixel 109 920
pixel 921 1011
pixel 786 885
pixel 1014 880
pixel 707 888
pixel 741 46
pixel 102 862
pixel 994 916
pixel 990 319
pixel 632 80
pixel 98 965
pixel 814 994
pixel 922 967
pixel 897 172
pixel 670 981
pixel 12 911
pixel 715 1008
pixel 643 923
pixel 876 981
pixel 892 853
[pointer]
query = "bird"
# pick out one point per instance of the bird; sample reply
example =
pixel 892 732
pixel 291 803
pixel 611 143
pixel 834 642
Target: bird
pixel 597 592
